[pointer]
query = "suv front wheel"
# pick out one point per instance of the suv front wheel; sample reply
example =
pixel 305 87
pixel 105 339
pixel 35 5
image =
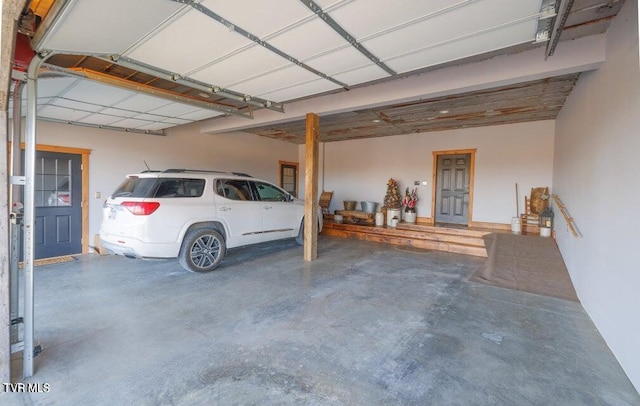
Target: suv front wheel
pixel 202 250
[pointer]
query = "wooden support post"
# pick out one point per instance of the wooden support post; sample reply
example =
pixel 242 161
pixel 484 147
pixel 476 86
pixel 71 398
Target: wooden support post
pixel 311 188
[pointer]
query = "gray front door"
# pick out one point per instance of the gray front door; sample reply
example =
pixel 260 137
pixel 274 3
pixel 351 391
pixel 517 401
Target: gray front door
pixel 58 201
pixel 452 189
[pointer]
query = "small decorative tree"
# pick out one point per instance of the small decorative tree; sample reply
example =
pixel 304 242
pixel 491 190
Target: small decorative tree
pixel 393 199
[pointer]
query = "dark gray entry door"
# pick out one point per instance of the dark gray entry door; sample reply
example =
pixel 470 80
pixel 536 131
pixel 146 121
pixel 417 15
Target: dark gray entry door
pixel 58 201
pixel 452 189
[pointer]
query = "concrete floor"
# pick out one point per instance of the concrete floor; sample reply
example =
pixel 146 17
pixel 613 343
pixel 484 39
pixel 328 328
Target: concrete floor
pixel 365 324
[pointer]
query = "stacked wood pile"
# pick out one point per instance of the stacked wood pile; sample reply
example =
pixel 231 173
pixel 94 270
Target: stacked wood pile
pixel 357 217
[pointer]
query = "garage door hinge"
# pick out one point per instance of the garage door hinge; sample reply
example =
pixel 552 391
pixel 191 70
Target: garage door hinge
pixel 17 320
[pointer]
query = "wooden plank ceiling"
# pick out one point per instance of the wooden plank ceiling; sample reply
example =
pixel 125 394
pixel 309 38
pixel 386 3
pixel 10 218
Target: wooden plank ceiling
pixel 530 101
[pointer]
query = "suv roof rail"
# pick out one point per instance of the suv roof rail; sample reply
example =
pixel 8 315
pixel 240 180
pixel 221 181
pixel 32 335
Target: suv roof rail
pixel 183 170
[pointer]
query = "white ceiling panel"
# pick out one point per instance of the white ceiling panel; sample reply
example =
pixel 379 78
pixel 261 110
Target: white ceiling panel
pixel 97 93
pixel 340 61
pixel 301 90
pixel 149 117
pixel 361 75
pixel 259 17
pixel 200 114
pixel 249 63
pixel 119 113
pixel 188 43
pixel 172 110
pixel 99 119
pixel 444 27
pixel 140 102
pixel 96 26
pixel 77 105
pixel 365 19
pixel 324 39
pixel 474 45
pixel 130 123
pixel 176 121
pixel 48 86
pixel 41 102
pixel 280 79
pixel 61 113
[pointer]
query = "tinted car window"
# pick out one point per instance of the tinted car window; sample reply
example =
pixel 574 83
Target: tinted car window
pixel 160 187
pixel 135 187
pixel 270 193
pixel 233 189
pixel 179 187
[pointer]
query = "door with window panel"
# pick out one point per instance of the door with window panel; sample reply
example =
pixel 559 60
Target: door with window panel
pixel 289 177
pixel 58 201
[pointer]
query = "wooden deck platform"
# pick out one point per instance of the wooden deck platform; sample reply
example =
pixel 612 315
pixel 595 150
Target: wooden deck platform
pixel 466 241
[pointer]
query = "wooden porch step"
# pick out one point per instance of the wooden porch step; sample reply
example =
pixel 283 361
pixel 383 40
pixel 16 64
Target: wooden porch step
pixel 460 241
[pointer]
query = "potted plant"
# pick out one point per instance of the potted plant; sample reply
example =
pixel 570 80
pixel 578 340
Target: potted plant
pixel 409 204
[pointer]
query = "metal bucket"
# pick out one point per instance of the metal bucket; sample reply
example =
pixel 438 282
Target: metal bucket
pixel 369 207
pixel 350 205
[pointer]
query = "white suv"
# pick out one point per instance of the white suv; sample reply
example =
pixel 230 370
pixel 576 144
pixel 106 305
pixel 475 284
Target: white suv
pixel 196 215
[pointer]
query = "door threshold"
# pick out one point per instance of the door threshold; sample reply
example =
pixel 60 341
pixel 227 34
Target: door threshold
pixel 451 225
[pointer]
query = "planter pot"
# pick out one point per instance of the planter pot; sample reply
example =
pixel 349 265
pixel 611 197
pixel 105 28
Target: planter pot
pixel 391 214
pixel 410 217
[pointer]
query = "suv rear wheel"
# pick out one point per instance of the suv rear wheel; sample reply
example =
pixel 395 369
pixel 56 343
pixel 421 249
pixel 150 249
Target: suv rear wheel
pixel 202 250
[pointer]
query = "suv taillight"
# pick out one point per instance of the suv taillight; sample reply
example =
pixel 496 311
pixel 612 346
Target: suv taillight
pixel 141 208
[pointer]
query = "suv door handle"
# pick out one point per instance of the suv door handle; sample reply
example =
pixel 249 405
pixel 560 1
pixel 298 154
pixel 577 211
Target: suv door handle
pixel 268 207
pixel 225 208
